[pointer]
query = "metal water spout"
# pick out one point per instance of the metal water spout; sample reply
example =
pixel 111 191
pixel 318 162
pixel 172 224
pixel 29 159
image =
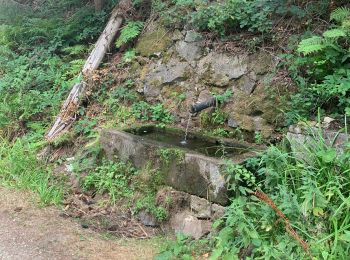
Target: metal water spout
pixel 210 102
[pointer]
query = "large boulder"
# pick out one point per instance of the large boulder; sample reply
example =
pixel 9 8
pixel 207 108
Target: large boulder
pixel 186 223
pixel 164 74
pixel 190 48
pixel 218 69
pixel 189 51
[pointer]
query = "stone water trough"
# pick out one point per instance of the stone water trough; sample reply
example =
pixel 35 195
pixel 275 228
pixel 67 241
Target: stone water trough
pixel 197 165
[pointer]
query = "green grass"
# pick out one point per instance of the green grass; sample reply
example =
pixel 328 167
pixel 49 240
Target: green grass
pixel 19 168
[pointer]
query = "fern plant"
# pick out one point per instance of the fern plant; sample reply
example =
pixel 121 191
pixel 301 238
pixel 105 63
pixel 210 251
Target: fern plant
pixel 340 14
pixel 129 32
pixel 75 50
pixel 322 72
pixel 311 45
pixel 330 37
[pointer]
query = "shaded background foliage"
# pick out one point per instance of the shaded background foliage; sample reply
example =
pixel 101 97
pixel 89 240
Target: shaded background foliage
pixel 41 46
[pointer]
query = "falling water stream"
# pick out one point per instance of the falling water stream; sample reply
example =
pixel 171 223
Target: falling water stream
pixel 184 142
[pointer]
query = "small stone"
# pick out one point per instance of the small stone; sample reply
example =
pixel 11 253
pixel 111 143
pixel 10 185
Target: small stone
pixel 189 51
pixel 191 226
pixel 232 123
pixel 175 200
pixel 258 123
pixel 204 95
pixel 85 226
pixel 18 209
pixel 218 211
pixel 262 62
pixel 200 207
pixel 147 219
pixel 297 130
pixel 247 83
pixel 193 36
pixel 44 153
pixel 233 67
pixel 151 90
pixel 312 123
pixel 177 35
pixel 156 55
pixel 152 42
pixel 328 120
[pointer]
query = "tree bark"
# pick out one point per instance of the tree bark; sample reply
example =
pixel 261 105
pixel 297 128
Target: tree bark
pixel 103 43
pixel 69 108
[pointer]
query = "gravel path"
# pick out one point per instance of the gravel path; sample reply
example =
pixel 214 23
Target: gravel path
pixel 28 232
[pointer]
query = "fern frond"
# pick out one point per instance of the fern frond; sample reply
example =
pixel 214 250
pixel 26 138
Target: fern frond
pixel 311 45
pixel 334 33
pixel 340 14
pixel 75 50
pixel 129 32
pixel 346 24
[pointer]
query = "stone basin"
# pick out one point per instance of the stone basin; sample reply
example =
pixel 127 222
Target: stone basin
pixel 198 171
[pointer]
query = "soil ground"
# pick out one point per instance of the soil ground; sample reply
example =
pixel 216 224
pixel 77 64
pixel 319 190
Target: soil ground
pixel 30 232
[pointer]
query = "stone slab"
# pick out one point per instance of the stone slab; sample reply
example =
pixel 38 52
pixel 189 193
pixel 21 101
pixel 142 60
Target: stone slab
pixel 197 174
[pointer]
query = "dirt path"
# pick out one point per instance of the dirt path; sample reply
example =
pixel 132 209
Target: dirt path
pixel 29 232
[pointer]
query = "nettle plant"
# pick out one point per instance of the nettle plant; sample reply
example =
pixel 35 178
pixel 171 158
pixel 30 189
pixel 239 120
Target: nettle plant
pixel 145 112
pixel 323 69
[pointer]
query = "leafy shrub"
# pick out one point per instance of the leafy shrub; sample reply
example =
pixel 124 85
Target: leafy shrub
pixel 232 15
pixel 85 127
pixel 113 178
pixel 174 14
pixel 144 111
pixel 160 114
pixel 123 94
pixel 148 203
pixel 129 56
pixel 170 155
pixel 222 98
pixel 141 110
pixel 218 117
pixel 302 214
pixel 184 248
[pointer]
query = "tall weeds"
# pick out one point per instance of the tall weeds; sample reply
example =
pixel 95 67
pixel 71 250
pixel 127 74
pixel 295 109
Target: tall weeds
pixel 20 169
pixel 303 210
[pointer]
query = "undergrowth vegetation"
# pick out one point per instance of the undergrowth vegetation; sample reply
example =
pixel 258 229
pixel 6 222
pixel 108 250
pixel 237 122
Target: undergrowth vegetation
pixel 123 182
pixel 322 70
pixel 225 17
pixel 286 205
pixel 41 55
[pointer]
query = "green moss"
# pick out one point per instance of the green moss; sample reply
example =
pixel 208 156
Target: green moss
pixel 153 42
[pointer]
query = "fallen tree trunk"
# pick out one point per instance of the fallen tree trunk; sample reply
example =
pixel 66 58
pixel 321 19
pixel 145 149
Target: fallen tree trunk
pixel 69 109
pixel 103 43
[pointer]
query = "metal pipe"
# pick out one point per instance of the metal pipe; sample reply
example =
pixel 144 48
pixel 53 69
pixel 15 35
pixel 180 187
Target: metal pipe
pixel 211 102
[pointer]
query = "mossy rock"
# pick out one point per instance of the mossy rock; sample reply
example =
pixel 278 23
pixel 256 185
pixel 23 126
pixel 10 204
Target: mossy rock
pixel 153 42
